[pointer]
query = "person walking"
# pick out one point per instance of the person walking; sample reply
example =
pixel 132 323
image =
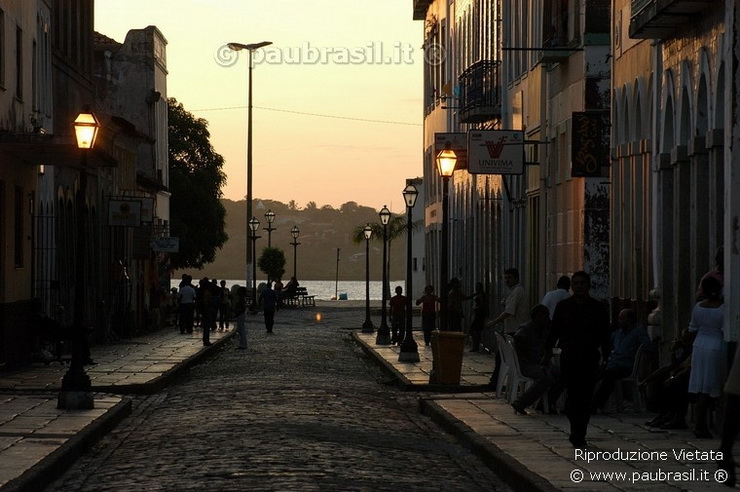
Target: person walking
pixel 580 326
pixel 428 312
pixel 552 298
pixel 269 306
pixel 480 311
pixel 240 310
pixel 398 316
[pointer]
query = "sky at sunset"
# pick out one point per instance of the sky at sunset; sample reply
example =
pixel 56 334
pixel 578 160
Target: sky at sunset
pixel 337 98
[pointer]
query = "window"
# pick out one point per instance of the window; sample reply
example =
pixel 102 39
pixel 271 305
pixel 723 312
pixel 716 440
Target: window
pixel 18 210
pixel 19 63
pixel 2 48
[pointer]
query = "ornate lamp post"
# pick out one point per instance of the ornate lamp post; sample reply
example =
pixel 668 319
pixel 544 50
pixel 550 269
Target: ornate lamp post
pixel 367 326
pixel 295 232
pixel 251 48
pixel 254 226
pixel 270 218
pixel 76 391
pixel 446 161
pixel 409 349
pixel 384 331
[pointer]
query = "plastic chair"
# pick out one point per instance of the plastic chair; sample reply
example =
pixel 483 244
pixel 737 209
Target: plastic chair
pixel 633 380
pixel 503 373
pixel 518 381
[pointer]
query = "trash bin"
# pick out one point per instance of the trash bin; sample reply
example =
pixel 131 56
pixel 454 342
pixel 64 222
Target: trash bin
pixel 447 355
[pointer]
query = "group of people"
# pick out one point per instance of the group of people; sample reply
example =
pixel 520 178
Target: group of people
pixel 214 304
pixel 209 301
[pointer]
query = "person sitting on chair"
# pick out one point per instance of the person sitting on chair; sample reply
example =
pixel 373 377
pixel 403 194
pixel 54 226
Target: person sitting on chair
pixel 530 341
pixel 625 342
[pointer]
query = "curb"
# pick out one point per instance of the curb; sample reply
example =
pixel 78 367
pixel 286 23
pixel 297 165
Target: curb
pixel 162 381
pixel 517 475
pixel 405 385
pixel 54 465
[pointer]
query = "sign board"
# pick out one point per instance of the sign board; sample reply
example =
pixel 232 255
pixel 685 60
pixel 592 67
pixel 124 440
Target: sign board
pixel 124 213
pixel 495 152
pixel 589 144
pixel 147 209
pixel 458 142
pixel 166 244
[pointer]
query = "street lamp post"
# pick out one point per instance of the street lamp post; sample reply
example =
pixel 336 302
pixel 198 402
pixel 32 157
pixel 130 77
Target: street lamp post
pixel 76 390
pixel 250 48
pixel 367 326
pixel 409 348
pixel 254 226
pixel 295 232
pixel 446 161
pixel 384 331
pixel 270 218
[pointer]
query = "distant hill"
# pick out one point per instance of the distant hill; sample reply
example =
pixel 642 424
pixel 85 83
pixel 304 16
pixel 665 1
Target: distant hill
pixel 323 230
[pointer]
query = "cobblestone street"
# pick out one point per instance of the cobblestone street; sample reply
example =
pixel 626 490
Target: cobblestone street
pixel 302 409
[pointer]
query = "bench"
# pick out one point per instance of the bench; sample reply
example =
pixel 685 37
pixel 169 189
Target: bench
pixel 306 300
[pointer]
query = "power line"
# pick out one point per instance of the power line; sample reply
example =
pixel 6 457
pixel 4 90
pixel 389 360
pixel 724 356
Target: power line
pixel 366 120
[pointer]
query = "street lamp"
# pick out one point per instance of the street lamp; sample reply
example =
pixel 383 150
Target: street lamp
pixel 270 218
pixel 254 225
pixel 409 349
pixel 446 161
pixel 294 232
pixel 251 48
pixel 76 390
pixel 384 331
pixel 367 326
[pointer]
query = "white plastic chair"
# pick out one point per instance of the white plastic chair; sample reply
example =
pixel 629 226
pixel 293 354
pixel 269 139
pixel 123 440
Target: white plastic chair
pixel 503 373
pixel 633 380
pixel 518 382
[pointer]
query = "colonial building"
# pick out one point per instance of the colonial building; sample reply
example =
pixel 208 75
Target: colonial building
pixel 48 191
pixel 541 68
pixel 671 143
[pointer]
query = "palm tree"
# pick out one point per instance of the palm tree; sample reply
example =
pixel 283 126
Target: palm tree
pixel 396 228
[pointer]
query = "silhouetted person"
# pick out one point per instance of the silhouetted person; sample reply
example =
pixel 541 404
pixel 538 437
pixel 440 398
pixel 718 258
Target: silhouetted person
pixel 580 326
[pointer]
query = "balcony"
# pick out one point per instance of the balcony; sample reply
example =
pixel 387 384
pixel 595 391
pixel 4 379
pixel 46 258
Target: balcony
pixel 480 98
pixel 660 19
pixel 420 9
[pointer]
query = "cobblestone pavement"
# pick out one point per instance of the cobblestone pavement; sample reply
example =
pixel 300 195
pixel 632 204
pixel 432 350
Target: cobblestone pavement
pixel 302 409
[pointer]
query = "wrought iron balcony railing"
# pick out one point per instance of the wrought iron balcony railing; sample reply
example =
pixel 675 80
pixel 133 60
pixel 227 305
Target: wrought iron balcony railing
pixel 480 92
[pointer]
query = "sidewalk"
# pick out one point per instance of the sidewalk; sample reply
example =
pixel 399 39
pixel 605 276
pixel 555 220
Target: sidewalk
pixel 39 441
pixel 532 451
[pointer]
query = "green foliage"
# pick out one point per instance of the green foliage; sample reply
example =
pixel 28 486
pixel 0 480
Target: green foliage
pixel 272 263
pixel 197 215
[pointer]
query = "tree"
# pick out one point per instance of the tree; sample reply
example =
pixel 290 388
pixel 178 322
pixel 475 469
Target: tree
pixel 196 176
pixel 396 228
pixel 272 263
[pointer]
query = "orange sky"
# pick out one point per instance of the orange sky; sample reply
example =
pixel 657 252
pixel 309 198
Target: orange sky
pixel 324 62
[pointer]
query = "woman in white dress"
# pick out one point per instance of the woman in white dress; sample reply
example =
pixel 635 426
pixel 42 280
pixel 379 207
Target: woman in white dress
pixel 706 375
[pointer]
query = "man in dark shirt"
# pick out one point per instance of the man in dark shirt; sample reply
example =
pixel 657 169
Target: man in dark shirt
pixel 580 326
pixel 530 342
pixel 398 316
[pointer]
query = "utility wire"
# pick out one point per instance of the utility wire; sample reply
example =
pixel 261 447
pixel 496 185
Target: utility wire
pixel 386 122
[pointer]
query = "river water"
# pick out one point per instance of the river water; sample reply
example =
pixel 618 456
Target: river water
pixel 327 289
